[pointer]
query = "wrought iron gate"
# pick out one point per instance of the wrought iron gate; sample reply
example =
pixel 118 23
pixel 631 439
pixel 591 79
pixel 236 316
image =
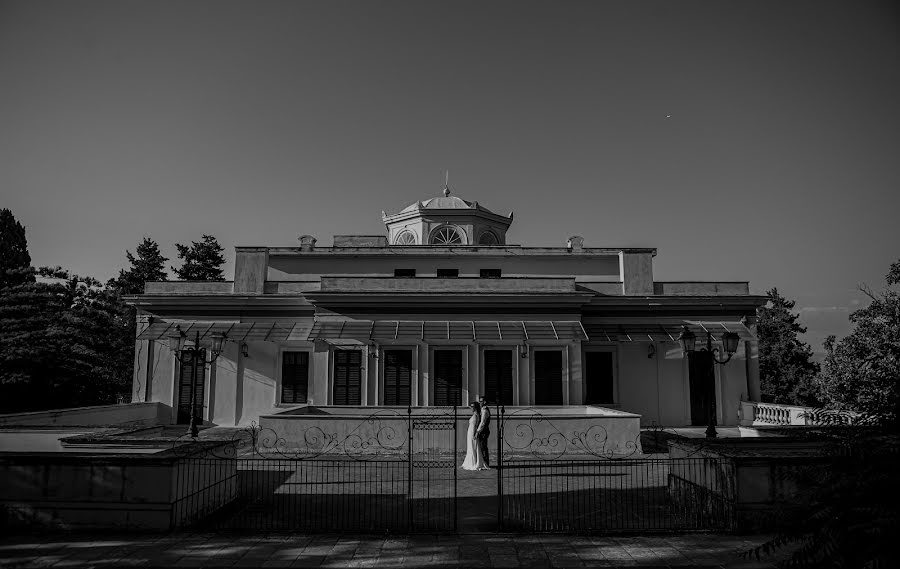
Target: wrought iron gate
pixel 579 480
pixel 391 471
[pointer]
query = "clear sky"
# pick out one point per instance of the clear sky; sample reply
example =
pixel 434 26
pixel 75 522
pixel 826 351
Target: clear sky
pixel 751 141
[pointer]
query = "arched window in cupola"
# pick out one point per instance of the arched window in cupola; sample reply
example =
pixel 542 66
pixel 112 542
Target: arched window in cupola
pixel 405 238
pixel 488 238
pixel 446 235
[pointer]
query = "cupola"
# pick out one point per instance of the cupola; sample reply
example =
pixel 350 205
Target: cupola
pixel 446 220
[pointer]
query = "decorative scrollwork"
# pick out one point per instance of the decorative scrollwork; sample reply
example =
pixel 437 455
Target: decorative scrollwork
pixel 380 434
pixel 528 431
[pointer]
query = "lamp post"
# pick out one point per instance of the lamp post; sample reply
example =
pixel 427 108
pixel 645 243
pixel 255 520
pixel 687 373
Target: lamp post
pixel 688 342
pixel 178 344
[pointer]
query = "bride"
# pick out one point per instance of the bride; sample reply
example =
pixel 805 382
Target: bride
pixel 474 460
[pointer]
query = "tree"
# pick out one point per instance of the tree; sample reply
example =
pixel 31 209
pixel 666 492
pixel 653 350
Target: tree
pixel 15 262
pixel 148 265
pixel 787 373
pixel 862 371
pixel 850 521
pixel 63 344
pixel 202 260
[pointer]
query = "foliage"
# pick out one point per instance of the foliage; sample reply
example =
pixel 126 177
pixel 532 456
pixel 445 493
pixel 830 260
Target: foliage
pixel 862 370
pixel 850 521
pixel 787 373
pixel 148 265
pixel 15 262
pixel 62 344
pixel 202 261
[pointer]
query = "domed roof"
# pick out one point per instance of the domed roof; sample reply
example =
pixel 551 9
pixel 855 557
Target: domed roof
pixel 444 202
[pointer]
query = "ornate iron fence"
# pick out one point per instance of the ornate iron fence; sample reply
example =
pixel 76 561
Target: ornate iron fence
pixel 585 480
pixel 392 471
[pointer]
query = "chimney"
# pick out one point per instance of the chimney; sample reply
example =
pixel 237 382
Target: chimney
pixel 307 242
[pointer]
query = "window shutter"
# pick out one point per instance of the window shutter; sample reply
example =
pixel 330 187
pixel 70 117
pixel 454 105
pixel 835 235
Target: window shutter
pixel 294 377
pixel 347 384
pixel 184 386
pixel 397 377
pixel 448 377
pixel 548 378
pixel 498 372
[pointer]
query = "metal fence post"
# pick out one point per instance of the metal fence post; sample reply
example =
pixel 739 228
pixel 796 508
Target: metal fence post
pixel 409 470
pixel 455 475
pixel 500 466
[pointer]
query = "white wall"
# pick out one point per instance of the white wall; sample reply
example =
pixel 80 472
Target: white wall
pixel 313 267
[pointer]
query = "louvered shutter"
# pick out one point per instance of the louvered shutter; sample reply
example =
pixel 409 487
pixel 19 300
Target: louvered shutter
pixel 347 377
pixel 397 377
pixel 185 369
pixel 294 377
pixel 498 373
pixel 548 378
pixel 448 377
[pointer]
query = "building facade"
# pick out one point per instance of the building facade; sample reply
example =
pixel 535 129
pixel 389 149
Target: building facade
pixel 441 309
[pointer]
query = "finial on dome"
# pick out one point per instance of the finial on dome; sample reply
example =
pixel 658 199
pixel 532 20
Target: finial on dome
pixel 446 183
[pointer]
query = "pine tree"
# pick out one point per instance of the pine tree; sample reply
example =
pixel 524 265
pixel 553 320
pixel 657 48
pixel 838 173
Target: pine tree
pixel 787 372
pixel 15 262
pixel 202 261
pixel 148 265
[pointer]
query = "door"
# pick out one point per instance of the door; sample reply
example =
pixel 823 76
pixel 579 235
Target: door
pixel 447 377
pixel 185 369
pixel 598 378
pixel 498 376
pixel 548 389
pixel 702 386
pixel 347 377
pixel 397 377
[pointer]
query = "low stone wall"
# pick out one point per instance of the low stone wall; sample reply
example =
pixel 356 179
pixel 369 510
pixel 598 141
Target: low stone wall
pixel 101 415
pixel 576 431
pixel 754 474
pixel 123 492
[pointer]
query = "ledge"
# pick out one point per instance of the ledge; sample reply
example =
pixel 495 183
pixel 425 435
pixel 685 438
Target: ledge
pixel 457 285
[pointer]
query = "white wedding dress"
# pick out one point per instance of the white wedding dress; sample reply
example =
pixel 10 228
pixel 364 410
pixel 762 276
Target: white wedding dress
pixel 473 460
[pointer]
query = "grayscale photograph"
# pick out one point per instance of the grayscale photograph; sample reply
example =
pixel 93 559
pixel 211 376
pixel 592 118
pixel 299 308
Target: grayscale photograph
pixel 422 283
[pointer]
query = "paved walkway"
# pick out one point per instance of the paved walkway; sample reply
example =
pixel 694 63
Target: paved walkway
pixel 293 550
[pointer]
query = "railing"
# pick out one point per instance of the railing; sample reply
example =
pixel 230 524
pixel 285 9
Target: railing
pixel 757 414
pixel 618 495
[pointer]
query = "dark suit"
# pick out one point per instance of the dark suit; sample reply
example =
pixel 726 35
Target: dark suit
pixel 484 432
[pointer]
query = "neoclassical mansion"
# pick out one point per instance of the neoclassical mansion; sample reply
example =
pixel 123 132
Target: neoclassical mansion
pixel 440 309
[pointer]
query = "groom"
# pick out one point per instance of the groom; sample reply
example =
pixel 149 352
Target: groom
pixel 484 430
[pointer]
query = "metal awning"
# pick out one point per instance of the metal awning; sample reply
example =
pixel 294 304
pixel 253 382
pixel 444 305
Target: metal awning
pixel 653 332
pixel 463 330
pixel 237 331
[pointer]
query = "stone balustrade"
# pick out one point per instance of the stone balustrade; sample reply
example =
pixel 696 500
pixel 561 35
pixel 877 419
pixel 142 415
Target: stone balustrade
pixel 754 413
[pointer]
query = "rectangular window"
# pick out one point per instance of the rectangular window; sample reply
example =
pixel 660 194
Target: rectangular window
pixel 447 273
pixel 397 377
pixel 490 273
pixel 447 377
pixel 404 273
pixel 185 371
pixel 294 377
pixel 347 388
pixel 548 388
pixel 598 377
pixel 498 376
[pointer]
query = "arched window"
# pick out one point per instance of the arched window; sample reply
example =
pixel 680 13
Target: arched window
pixel 405 238
pixel 446 235
pixel 488 238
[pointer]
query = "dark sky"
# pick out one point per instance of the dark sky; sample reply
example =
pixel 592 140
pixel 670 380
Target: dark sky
pixel 751 141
